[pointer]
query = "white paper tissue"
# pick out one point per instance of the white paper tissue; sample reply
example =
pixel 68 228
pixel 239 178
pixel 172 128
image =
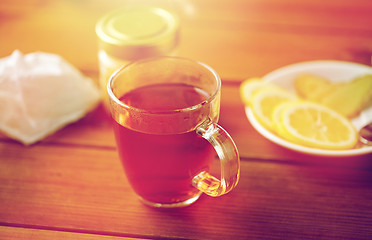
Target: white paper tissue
pixel 40 93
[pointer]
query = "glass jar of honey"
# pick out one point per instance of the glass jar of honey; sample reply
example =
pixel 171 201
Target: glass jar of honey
pixel 134 33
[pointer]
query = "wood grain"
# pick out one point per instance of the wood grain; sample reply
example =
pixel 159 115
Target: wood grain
pixel 10 233
pixel 89 192
pixel 71 185
pixel 74 180
pixel 240 39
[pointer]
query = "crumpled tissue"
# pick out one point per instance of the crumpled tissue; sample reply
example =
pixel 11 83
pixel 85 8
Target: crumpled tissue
pixel 40 93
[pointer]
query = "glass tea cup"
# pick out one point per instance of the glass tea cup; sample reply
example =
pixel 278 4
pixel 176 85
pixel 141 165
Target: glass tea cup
pixel 165 113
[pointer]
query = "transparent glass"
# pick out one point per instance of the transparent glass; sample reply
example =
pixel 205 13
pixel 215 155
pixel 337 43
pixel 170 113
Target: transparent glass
pixel 165 113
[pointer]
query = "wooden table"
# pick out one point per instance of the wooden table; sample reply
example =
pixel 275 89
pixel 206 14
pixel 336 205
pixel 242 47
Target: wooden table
pixel 71 185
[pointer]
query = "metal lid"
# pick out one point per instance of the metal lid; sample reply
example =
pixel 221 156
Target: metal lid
pixel 134 33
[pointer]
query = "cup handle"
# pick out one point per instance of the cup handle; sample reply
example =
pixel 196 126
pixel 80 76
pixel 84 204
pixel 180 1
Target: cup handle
pixel 229 159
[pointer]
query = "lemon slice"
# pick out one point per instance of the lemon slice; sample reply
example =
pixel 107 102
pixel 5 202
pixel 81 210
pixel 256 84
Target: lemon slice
pixel 314 125
pixel 264 101
pixel 276 120
pixel 249 86
pixel 309 86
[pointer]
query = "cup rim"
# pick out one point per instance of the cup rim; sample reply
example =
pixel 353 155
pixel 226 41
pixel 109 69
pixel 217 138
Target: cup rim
pixel 113 97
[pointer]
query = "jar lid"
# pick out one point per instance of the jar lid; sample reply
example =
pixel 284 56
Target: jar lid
pixel 138 32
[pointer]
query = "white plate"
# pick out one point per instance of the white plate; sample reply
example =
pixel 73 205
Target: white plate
pixel 335 71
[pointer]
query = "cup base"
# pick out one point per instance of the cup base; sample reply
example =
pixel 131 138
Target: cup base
pixel 172 205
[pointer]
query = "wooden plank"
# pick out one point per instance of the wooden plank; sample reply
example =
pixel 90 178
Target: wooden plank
pixel 289 14
pixel 85 188
pixel 11 233
pixel 260 36
pixel 247 54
